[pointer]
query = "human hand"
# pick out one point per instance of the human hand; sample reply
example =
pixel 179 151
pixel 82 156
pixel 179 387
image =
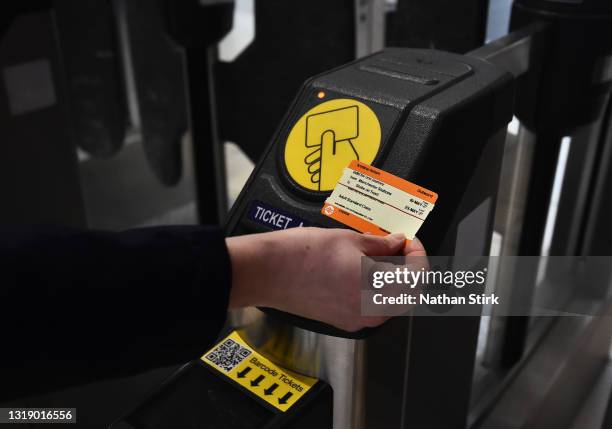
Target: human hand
pixel 310 272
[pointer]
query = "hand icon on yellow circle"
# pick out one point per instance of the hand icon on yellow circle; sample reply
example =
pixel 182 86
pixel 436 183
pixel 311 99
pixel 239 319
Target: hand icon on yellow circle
pixel 327 138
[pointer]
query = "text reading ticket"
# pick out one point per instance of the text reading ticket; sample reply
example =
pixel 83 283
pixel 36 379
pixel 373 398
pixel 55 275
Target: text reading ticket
pixel 371 200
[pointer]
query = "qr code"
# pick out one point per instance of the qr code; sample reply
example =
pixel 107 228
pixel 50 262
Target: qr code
pixel 228 354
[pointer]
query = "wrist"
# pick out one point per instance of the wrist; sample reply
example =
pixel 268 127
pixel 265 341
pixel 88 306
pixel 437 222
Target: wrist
pixel 250 259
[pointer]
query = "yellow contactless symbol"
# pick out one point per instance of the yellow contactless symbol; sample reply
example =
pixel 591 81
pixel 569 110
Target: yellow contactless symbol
pixel 236 360
pixel 329 136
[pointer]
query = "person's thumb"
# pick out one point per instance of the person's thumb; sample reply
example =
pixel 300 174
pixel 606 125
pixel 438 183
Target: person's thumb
pixel 390 245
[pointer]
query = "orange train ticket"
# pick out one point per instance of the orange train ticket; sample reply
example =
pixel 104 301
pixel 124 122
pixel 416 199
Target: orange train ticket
pixel 369 199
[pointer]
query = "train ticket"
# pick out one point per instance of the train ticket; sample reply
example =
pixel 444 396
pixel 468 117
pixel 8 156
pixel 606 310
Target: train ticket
pixel 371 200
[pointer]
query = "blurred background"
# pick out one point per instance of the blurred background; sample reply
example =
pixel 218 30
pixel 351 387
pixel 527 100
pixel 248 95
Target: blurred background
pixel 117 114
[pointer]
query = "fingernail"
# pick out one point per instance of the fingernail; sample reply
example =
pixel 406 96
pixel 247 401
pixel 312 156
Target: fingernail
pixel 414 243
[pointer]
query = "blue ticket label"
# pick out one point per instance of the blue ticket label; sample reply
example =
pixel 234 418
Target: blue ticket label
pixel 274 218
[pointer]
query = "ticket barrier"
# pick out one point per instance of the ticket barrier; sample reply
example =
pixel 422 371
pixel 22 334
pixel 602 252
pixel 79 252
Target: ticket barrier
pixel 434 118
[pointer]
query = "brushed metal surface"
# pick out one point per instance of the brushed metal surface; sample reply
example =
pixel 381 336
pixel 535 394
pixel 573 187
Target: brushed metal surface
pixel 338 361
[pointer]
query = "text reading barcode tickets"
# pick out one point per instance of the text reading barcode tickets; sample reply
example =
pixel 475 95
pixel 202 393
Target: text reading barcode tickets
pixel 371 200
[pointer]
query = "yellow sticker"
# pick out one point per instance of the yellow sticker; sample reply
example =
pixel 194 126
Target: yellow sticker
pixel 326 138
pixel 236 360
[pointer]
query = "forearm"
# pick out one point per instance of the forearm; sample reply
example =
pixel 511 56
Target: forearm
pixel 253 258
pixel 267 267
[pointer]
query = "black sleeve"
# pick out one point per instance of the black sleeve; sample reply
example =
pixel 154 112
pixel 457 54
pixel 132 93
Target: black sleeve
pixel 78 306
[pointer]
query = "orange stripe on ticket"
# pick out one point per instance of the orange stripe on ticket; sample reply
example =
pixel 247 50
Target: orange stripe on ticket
pixel 354 222
pixel 394 181
pixel 351 220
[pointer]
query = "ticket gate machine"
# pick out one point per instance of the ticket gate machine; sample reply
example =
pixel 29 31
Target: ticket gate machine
pixel 442 125
pixel 434 118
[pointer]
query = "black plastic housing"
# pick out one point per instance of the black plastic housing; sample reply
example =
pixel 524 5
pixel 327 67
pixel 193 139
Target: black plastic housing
pixel 198 397
pixel 576 61
pixel 438 111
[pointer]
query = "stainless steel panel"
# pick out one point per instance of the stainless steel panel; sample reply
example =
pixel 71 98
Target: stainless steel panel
pixel 338 361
